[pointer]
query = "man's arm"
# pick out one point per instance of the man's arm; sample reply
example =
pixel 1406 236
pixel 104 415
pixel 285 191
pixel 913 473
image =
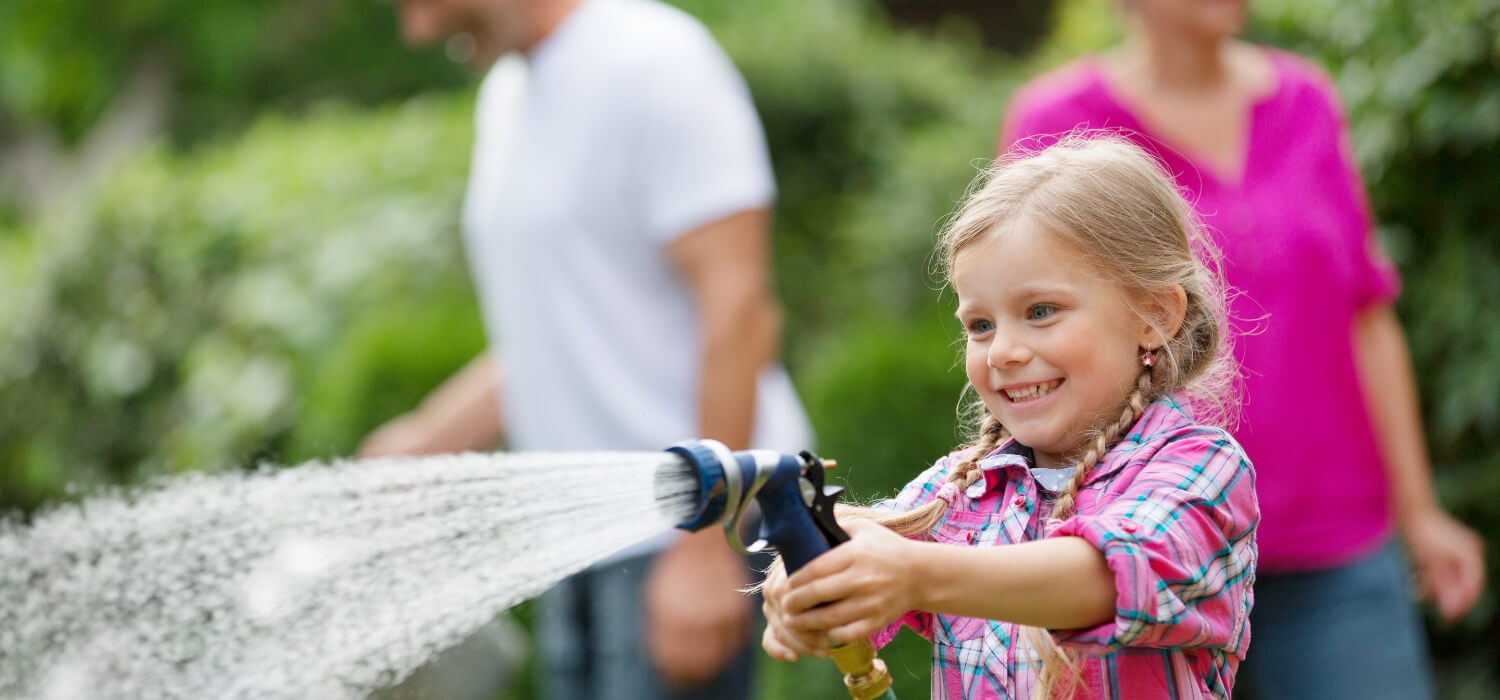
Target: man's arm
pixel 698 617
pixel 726 265
pixel 461 414
pixel 1449 558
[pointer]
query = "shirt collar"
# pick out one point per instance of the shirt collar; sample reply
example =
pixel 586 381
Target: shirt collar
pixel 1165 413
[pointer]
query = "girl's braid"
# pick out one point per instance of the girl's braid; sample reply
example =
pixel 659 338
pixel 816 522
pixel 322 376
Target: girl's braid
pixel 1135 405
pixel 991 433
pixel 1058 665
pixel 921 520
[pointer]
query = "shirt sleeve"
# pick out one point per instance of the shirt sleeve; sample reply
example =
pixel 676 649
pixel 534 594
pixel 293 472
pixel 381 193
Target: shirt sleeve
pixel 1014 125
pixel 1376 281
pixel 701 153
pixel 1044 109
pixel 1024 122
pixel 1180 542
pixel 922 489
pixel 918 620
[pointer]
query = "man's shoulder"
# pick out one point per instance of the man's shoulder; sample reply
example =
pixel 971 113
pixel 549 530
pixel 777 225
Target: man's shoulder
pixel 647 34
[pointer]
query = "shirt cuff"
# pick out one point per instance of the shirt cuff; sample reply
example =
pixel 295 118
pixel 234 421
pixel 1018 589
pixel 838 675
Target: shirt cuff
pixel 1135 584
pixel 913 619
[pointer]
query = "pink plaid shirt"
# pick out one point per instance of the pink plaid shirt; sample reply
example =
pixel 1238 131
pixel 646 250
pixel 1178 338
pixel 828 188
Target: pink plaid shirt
pixel 1173 509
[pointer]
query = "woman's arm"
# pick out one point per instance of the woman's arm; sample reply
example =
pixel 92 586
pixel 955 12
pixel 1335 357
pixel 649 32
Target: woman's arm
pixel 1448 557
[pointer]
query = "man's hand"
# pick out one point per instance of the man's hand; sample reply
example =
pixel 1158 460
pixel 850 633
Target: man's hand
pixel 1448 561
pixel 696 616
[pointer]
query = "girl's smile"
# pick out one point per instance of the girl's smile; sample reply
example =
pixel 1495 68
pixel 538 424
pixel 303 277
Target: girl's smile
pixel 1029 394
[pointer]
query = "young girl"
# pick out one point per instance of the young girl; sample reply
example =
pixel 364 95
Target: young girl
pixel 1106 536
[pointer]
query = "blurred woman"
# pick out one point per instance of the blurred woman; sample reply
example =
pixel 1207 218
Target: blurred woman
pixel 1257 140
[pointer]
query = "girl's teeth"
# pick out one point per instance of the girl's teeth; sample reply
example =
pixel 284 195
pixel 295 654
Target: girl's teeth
pixel 1032 392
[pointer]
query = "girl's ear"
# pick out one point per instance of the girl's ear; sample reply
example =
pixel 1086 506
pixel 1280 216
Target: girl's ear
pixel 1167 310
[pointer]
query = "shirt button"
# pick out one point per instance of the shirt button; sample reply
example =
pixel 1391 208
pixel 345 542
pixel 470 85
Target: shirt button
pixel 1128 527
pixel 1020 501
pixel 971 536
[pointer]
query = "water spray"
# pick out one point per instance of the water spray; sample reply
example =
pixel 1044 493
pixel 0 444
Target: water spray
pixel 796 510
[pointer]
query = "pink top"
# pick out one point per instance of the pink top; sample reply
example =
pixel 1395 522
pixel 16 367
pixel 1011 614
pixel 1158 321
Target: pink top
pixel 1295 233
pixel 1172 507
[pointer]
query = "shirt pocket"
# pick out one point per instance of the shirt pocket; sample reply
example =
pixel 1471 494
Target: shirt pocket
pixel 968 529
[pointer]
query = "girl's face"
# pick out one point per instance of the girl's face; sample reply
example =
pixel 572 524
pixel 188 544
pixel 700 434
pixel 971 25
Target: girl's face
pixel 1051 348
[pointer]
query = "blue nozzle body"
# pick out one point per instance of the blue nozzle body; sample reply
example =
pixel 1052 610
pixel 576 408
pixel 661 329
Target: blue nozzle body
pixel 796 518
pixel 796 507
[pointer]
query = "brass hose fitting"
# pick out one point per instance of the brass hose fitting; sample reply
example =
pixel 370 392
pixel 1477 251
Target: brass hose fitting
pixel 865 676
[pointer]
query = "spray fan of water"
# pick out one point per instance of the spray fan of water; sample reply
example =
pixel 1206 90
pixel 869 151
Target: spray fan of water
pixel 326 581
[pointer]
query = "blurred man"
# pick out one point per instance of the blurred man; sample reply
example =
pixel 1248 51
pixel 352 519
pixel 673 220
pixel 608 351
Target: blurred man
pixel 617 227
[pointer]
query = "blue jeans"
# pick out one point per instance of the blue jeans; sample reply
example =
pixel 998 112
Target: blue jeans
pixel 590 631
pixel 1349 632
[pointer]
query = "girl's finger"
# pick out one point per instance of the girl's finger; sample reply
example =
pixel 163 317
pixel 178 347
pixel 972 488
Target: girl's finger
pixel 773 646
pixel 828 617
pixel 854 631
pixel 828 564
pixel 775 578
pixel 815 645
pixel 806 643
pixel 813 593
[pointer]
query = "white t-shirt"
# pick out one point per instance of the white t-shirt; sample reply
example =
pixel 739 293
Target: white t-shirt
pixel 624 129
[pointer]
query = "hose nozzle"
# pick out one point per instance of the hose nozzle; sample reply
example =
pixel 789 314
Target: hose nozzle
pixel 797 519
pixel 796 505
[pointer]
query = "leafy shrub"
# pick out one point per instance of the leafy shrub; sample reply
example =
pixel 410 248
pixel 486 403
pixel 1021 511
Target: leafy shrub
pixel 180 320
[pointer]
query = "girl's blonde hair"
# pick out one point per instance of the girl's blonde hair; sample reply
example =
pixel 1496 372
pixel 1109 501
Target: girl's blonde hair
pixel 1114 205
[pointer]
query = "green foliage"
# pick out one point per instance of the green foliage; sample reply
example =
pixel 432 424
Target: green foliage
pixel 884 396
pixel 184 318
pixel 62 61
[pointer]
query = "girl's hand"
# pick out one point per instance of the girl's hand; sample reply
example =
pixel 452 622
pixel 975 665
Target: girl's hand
pixel 779 641
pixel 1448 561
pixel 868 582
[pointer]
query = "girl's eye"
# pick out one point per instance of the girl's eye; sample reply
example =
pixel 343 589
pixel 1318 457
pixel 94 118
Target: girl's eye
pixel 980 327
pixel 1040 312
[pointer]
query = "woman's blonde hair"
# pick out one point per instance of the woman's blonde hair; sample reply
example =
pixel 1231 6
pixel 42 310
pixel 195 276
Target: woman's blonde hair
pixel 1113 204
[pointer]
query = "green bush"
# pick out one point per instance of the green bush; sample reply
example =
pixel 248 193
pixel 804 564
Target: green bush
pixel 185 317
pixel 62 62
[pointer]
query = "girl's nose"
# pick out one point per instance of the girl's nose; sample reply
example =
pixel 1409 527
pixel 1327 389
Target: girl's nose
pixel 1005 352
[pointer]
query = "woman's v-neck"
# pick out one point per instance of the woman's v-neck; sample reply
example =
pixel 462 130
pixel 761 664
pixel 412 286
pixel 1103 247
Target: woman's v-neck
pixel 1204 167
